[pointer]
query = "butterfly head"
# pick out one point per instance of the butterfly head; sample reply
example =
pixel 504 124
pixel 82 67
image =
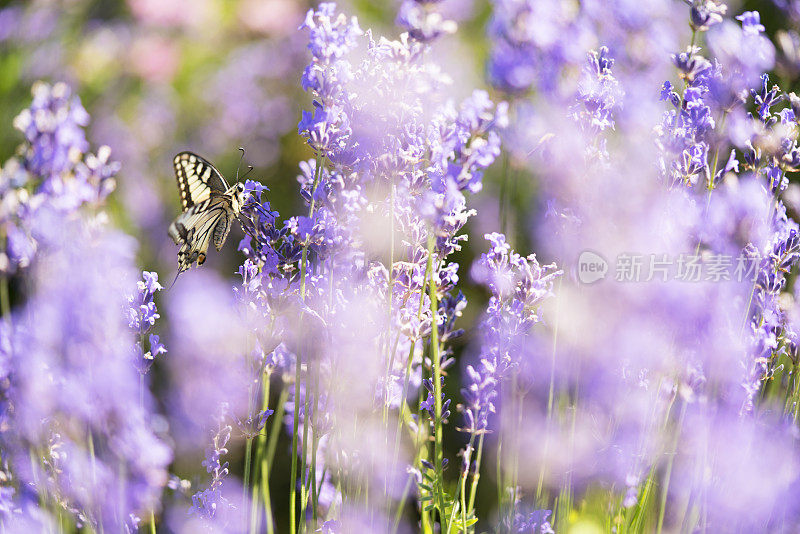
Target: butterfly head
pixel 238 196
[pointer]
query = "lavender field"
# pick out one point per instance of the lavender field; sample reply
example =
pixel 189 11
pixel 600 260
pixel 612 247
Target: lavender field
pixel 494 266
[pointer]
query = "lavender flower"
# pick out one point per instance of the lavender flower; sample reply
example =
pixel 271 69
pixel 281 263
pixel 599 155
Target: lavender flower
pixel 647 139
pixel 70 390
pixel 743 52
pixel 74 390
pixel 53 126
pixel 429 403
pixel 479 395
pixel 423 21
pixel 330 37
pixel 527 51
pixel 706 13
pixel 53 170
pixel 534 522
pixel 142 317
pixel 518 287
pixel 598 96
pixel 206 502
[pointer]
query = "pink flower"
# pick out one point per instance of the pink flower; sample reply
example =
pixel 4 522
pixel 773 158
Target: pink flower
pixel 154 58
pixel 271 17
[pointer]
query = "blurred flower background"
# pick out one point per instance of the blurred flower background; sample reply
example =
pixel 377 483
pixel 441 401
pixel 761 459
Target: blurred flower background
pixel 399 337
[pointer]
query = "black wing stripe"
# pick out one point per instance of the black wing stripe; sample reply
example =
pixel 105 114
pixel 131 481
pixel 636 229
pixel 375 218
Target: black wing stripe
pixel 208 224
pixel 197 179
pixel 195 229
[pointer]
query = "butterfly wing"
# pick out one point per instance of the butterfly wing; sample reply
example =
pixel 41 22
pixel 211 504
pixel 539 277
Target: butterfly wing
pixel 196 227
pixel 198 180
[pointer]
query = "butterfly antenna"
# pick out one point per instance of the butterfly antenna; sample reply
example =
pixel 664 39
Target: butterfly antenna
pixel 249 170
pixel 241 148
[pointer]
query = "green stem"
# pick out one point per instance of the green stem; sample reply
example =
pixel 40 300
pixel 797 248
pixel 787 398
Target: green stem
pixel 293 479
pixel 248 453
pixel 475 476
pixel 390 294
pixel 499 472
pixel 315 444
pixel 690 514
pixel 504 201
pixel 437 375
pixel 458 497
pixel 304 476
pixel 770 212
pixel 5 301
pixel 421 449
pixel 463 487
pixel 152 518
pixel 668 474
pixel 266 499
pixel 277 420
pixel 551 391
pixel 297 372
pixel 791 389
pixel 389 345
pixel 255 517
pixel 266 461
pixel 399 513
pixel 517 406
pixel 566 497
pixel 407 379
pixel 417 435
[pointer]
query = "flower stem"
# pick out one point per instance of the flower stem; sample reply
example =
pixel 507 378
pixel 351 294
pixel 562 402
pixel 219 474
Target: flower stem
pixel 437 375
pixel 407 379
pixel 304 448
pixel 462 488
pixel 389 296
pixel 297 372
pixel 248 453
pixel 391 349
pixel 255 517
pixel 504 196
pixel 770 214
pixel 5 301
pixel 516 405
pixel 668 474
pixel 399 512
pixel 476 475
pixel 499 472
pixel 551 392
pixel 266 460
pixel 315 442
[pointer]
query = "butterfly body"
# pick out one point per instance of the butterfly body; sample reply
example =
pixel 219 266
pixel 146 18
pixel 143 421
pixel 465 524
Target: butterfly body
pixel 209 207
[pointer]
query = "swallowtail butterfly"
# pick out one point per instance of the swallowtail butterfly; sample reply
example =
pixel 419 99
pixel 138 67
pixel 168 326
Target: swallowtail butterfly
pixel 209 207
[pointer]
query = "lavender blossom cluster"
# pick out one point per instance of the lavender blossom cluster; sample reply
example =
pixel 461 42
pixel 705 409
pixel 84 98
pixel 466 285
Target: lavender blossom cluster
pixel 344 382
pixel 78 425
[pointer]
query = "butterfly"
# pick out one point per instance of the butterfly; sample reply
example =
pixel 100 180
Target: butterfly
pixel 209 207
